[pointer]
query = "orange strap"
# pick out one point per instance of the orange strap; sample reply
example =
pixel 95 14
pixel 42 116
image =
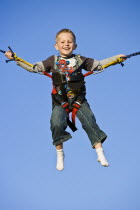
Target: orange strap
pixel 74 111
pixel 47 74
pixel 90 72
pixel 76 107
pixel 65 105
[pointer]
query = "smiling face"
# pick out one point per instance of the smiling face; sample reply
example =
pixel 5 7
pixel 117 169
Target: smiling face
pixel 65 43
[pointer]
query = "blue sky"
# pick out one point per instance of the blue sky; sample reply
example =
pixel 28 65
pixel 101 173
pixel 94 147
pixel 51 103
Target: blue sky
pixel 28 177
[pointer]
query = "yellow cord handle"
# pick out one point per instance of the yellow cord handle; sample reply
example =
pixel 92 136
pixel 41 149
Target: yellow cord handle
pixel 20 59
pixel 118 60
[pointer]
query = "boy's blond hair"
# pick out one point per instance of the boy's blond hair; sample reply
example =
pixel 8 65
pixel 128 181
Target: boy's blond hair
pixel 65 30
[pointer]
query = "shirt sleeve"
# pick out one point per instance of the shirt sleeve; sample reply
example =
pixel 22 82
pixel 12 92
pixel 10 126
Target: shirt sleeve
pixel 89 63
pixel 48 64
pixel 108 60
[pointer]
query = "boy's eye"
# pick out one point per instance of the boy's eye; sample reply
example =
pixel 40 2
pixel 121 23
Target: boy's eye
pixel 64 42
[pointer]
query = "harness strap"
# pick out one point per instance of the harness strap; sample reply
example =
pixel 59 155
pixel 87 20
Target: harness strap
pixel 47 74
pixel 65 105
pixel 76 106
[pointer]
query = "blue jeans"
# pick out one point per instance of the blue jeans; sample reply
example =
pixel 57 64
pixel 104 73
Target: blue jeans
pixel 87 119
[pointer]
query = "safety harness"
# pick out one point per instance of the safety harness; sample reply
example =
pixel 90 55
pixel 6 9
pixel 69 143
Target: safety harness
pixel 68 82
pixel 68 87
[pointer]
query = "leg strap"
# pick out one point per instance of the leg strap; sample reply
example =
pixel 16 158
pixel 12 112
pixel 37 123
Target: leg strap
pixel 65 105
pixel 76 106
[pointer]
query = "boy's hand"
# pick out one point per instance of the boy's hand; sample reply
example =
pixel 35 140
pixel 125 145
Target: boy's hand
pixel 123 57
pixel 8 54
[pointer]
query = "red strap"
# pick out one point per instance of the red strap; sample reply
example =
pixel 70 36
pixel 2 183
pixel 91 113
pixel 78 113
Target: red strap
pixel 90 72
pixel 74 111
pixel 54 91
pixel 47 74
pixel 76 107
pixel 65 105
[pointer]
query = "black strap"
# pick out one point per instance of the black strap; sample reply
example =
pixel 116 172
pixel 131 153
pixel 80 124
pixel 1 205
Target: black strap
pixel 133 54
pixel 71 125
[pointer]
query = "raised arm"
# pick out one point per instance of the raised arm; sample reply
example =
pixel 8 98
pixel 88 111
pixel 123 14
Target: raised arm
pixel 108 62
pixel 34 68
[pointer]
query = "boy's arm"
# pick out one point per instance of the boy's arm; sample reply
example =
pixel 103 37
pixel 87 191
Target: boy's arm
pixel 35 68
pixel 108 62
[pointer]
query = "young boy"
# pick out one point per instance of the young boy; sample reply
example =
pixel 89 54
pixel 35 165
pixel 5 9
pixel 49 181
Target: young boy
pixel 69 93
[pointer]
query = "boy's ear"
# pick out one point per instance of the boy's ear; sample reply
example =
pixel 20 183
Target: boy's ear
pixel 75 46
pixel 56 47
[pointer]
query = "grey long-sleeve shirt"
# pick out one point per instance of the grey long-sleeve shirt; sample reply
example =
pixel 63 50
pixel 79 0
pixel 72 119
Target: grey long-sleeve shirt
pixel 48 65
